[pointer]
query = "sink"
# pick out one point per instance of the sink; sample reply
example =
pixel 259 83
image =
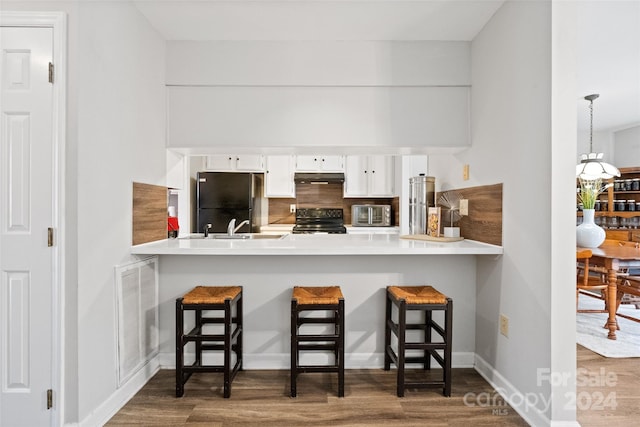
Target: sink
pixel 238 236
pixel 267 236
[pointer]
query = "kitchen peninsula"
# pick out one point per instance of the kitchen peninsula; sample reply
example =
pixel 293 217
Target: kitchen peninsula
pixel 362 264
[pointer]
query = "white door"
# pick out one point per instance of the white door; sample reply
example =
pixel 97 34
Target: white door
pixel 26 212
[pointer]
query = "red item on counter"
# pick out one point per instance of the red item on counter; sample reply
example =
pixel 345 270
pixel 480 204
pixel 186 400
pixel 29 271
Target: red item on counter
pixel 172 224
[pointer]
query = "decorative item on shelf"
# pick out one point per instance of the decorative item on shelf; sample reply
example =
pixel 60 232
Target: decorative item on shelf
pixel 433 221
pixel 450 202
pixel 589 234
pixel 591 165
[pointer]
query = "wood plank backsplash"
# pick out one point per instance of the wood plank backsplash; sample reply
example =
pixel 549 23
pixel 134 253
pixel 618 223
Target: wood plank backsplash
pixel 323 196
pixel 484 222
pixel 149 213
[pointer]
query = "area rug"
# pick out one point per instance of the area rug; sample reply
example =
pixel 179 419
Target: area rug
pixel 591 334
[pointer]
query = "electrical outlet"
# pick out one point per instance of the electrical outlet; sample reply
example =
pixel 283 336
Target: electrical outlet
pixel 464 207
pixel 504 325
pixel 292 208
pixel 465 172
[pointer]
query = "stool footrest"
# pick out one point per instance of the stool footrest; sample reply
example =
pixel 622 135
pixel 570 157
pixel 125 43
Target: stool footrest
pixel 424 346
pixel 316 320
pixel 311 347
pixel 317 337
pixel 317 369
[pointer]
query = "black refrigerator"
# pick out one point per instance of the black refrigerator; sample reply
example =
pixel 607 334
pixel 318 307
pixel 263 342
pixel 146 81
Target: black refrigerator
pixel 223 196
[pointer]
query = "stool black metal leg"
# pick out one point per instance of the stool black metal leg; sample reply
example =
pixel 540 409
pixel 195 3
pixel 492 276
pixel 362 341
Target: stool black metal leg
pixel 340 345
pixel 198 314
pixel 402 331
pixel 294 347
pixel 448 323
pixel 239 324
pixel 227 349
pixel 427 338
pixel 179 348
pixel 387 333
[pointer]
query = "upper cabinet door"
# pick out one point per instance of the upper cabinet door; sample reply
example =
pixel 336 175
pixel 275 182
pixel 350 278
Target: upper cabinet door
pixel 370 176
pixel 250 163
pixel 219 162
pixel 279 176
pixel 355 179
pixel 235 163
pixel 381 176
pixel 305 163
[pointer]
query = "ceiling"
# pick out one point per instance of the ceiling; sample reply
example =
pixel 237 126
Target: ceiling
pixel 608 51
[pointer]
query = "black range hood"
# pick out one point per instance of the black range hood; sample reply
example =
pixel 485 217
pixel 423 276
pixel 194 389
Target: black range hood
pixel 318 178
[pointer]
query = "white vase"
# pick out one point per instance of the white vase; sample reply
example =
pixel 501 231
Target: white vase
pixel 588 234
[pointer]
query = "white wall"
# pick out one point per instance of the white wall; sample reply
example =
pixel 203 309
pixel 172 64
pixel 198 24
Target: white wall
pixel 121 139
pixel 627 147
pixel 511 144
pixel 309 94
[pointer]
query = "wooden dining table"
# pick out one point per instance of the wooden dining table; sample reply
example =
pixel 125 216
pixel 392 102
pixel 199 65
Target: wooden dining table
pixel 615 257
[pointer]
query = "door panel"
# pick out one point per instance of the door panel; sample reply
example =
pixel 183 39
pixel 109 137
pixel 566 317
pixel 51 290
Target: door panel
pixel 26 212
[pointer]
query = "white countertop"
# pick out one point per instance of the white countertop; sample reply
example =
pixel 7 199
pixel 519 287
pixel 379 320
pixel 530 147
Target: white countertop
pixel 315 244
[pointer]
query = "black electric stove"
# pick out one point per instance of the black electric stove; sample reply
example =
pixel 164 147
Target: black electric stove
pixel 319 220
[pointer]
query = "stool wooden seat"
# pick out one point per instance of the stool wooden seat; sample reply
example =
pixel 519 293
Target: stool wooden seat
pixel 326 298
pixel 426 299
pixel 210 298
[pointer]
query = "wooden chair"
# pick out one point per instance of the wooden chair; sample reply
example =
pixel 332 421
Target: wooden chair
pixel 627 277
pixel 629 287
pixel 588 283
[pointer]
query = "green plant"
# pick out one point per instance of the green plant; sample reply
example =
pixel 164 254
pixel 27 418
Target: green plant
pixel 589 191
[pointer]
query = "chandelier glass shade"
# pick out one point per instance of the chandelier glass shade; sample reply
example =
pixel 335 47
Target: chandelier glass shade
pixel 591 165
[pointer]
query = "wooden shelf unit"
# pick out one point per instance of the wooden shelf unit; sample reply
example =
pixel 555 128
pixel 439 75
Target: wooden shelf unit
pixel 610 195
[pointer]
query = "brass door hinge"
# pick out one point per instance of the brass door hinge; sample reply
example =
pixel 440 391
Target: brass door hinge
pixel 49 399
pixel 50 236
pixel 50 72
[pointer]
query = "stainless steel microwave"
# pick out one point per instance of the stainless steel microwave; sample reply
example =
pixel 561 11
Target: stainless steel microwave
pixel 371 215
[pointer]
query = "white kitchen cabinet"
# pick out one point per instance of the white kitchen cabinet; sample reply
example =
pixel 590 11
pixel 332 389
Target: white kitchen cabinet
pixel 306 163
pixel 369 176
pixel 235 163
pixel 279 176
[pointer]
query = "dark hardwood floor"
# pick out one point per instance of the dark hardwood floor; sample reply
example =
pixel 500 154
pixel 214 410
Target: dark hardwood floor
pixel 261 398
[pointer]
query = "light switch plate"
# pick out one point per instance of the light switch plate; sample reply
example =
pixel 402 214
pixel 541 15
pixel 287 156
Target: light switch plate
pixel 464 206
pixel 292 208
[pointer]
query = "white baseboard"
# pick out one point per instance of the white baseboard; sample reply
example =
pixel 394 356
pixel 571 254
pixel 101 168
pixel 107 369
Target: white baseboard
pixel 121 396
pixel 532 415
pixel 279 361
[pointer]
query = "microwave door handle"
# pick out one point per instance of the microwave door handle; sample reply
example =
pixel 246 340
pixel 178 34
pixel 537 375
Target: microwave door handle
pixel 370 219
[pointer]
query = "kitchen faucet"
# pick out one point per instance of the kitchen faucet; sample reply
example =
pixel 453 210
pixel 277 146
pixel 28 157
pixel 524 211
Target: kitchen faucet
pixel 231 228
pixel 206 229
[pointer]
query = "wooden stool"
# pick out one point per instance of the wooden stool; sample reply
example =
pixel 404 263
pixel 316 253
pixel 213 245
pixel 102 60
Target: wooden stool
pixel 317 298
pixel 209 298
pixel 427 299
